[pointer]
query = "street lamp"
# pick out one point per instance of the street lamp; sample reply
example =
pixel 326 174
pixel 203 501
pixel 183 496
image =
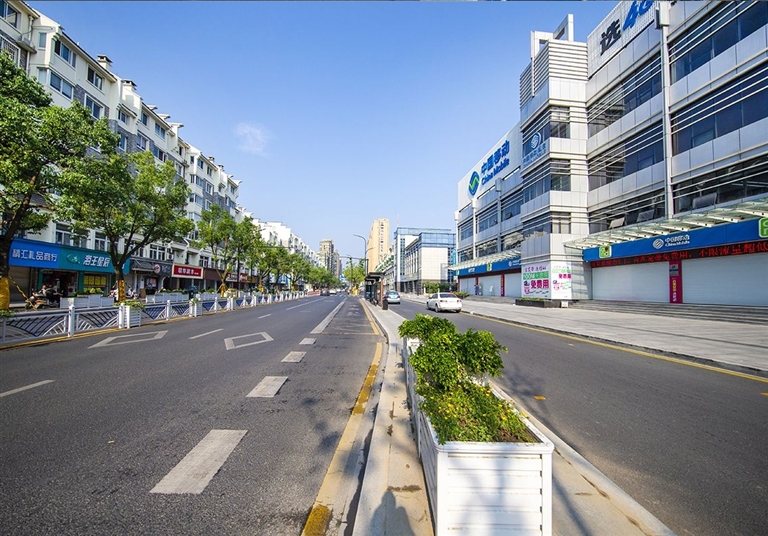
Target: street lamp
pixel 365 253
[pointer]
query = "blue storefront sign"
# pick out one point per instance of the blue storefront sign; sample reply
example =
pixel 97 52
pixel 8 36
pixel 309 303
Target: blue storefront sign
pixel 35 254
pixel 719 235
pixel 498 266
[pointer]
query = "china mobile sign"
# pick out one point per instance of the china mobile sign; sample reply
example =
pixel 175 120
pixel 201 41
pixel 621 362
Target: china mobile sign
pixel 622 25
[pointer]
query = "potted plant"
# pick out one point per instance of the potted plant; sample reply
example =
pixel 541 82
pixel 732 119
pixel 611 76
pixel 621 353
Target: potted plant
pixel 129 315
pixel 487 468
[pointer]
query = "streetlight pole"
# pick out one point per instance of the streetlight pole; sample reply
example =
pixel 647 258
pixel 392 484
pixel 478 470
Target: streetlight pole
pixel 365 253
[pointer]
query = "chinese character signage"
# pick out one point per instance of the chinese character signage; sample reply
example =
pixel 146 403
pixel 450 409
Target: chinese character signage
pixel 53 256
pixel 618 29
pixel 181 270
pixel 560 281
pixel 719 235
pixel 745 248
pixel 536 281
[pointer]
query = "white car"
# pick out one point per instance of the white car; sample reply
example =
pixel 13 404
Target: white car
pixel 444 301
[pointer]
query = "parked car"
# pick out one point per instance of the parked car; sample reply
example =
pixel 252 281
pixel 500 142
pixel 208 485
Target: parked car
pixel 392 296
pixel 444 301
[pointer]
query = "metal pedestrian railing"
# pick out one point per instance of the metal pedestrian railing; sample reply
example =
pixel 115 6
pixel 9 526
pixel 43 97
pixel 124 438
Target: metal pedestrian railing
pixel 34 325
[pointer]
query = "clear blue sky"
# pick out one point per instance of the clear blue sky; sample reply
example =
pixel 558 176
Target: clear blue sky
pixel 331 114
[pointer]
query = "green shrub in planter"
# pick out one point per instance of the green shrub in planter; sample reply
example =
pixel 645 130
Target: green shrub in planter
pixel 461 295
pixel 450 368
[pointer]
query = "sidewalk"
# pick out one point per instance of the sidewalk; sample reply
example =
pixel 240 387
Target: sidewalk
pixel 393 499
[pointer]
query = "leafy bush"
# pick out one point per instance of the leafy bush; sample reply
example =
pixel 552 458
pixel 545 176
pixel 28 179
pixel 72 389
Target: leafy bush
pixel 449 367
pixel 461 295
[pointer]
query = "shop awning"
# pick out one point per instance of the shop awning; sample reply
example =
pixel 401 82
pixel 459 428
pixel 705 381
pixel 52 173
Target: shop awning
pixel 488 259
pixel 746 210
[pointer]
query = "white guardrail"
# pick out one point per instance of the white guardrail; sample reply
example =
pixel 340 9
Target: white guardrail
pixel 34 325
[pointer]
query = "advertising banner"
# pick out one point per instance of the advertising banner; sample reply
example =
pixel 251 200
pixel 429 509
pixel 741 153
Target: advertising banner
pixel 561 281
pixel 536 280
pixel 183 270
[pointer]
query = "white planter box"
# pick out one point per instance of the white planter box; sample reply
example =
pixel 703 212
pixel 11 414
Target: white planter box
pixel 483 488
pixel 79 302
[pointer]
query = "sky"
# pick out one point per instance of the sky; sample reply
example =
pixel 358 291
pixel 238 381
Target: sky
pixel 332 114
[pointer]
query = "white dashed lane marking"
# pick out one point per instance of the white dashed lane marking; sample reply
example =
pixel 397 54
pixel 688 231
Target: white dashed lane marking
pixel 32 386
pixel 308 341
pixel 193 473
pixel 294 357
pixel 268 387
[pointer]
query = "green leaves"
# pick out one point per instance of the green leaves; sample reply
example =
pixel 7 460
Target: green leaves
pixel 447 366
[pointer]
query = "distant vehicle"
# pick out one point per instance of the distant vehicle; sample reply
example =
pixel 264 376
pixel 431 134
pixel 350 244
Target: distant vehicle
pixel 334 291
pixel 444 301
pixel 324 292
pixel 392 296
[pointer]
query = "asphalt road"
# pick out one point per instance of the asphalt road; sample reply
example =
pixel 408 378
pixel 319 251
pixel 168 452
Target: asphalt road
pixel 108 446
pixel 689 444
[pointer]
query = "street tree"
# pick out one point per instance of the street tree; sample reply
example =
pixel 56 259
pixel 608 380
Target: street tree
pixel 298 269
pixel 355 273
pixel 129 198
pixel 216 231
pixel 39 143
pixel 254 250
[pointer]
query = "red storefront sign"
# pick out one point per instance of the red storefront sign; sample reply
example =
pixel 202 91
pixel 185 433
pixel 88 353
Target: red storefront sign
pixel 746 248
pixel 675 282
pixel 182 270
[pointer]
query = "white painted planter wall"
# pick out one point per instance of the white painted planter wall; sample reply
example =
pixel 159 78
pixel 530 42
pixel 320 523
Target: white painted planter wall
pixel 488 489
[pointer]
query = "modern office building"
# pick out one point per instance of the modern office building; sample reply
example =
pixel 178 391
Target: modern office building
pixel 639 168
pixel 329 257
pixel 422 256
pixel 378 243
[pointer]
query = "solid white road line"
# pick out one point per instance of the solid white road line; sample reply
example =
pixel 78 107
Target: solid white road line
pixel 307 341
pixel 193 473
pixel 20 389
pixel 268 387
pixel 207 333
pixel 327 320
pixel 294 357
pixel 264 316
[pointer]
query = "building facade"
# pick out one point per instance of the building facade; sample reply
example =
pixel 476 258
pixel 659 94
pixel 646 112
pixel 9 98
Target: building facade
pixel 639 168
pixel 421 256
pixel 378 243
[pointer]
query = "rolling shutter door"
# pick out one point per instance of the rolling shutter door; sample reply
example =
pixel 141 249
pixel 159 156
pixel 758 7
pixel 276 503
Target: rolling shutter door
pixel 734 280
pixel 638 282
pixel 513 285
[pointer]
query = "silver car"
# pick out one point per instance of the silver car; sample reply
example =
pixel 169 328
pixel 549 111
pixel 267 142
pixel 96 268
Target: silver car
pixel 392 296
pixel 444 301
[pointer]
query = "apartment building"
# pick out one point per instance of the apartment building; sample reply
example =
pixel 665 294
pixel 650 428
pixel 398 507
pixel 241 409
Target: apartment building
pixel 70 74
pixel 639 168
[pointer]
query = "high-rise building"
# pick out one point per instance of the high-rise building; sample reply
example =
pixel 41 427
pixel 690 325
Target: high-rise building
pixel 329 258
pixel 378 243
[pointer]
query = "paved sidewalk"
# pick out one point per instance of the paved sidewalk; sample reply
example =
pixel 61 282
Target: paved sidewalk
pixel 393 499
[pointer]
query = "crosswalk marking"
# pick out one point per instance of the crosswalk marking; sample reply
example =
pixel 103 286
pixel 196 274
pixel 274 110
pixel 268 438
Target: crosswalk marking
pixel 268 387
pixel 308 341
pixel 195 471
pixel 294 357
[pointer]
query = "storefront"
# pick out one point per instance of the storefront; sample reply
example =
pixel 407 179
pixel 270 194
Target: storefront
pixel 186 276
pixel 501 278
pixel 150 276
pixel 66 269
pixel 725 264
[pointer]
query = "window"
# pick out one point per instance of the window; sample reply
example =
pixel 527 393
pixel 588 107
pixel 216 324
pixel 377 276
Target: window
pixel 639 152
pixel 42 40
pixel 64 52
pixel 160 131
pixel 156 253
pixel 724 26
pixel 65 237
pixel 144 118
pixel 159 154
pixel 10 15
pixel 93 106
pixel 100 243
pixel 740 103
pixel 561 223
pixel 122 117
pixel 199 163
pixel 123 143
pixel 61 85
pixel 95 79
pixel 487 219
pixel 209 170
pixel 142 143
pixel 465 230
